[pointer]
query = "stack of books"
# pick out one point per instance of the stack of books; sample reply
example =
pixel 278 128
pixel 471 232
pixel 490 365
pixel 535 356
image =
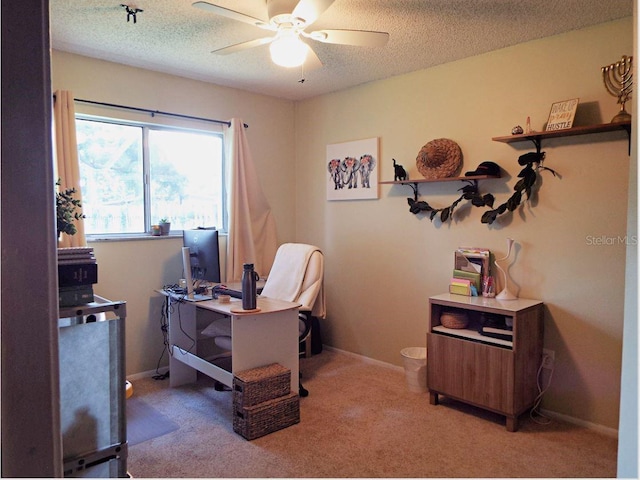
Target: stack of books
pixel 493 325
pixel 495 332
pixel 470 266
pixel 77 272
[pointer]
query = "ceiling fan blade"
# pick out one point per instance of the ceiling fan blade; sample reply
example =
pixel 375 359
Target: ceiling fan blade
pixel 312 62
pixel 310 10
pixel 225 12
pixel 243 46
pixel 361 38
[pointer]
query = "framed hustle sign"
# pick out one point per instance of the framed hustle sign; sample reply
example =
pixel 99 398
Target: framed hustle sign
pixel 562 114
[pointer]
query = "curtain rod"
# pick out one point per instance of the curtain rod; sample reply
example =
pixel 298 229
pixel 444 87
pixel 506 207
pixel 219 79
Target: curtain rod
pixel 155 112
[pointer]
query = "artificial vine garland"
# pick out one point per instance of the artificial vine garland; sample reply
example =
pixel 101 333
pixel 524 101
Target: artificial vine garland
pixel 528 176
pixel 532 163
pixel 469 192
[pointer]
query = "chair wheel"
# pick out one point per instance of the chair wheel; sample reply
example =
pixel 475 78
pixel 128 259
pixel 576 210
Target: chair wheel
pixel 303 391
pixel 220 387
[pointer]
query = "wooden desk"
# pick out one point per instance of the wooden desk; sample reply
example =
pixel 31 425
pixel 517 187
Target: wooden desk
pixel 258 338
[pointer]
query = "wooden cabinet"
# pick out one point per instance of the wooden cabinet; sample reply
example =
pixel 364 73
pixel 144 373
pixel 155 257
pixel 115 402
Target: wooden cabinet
pixel 491 373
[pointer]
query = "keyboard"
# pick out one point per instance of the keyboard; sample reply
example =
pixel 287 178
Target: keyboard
pixel 182 294
pixel 227 291
pixel 196 298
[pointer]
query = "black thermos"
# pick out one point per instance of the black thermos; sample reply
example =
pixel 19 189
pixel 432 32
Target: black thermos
pixel 249 278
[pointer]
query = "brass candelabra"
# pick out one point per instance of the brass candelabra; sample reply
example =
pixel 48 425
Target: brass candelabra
pixel 618 80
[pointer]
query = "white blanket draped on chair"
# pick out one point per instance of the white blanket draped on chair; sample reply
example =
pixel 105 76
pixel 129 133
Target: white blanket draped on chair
pixel 296 276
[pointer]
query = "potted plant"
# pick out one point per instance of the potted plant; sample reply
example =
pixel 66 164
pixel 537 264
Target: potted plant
pixel 165 226
pixel 67 211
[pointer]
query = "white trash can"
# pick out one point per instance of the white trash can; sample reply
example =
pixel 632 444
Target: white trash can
pixel 415 368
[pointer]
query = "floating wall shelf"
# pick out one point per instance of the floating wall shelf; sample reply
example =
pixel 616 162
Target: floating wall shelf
pixel 414 183
pixel 537 137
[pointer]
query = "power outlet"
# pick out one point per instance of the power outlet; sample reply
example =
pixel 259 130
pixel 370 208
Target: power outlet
pixel 548 358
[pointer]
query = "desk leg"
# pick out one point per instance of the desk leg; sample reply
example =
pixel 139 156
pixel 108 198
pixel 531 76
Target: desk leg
pixel 266 338
pixel 182 334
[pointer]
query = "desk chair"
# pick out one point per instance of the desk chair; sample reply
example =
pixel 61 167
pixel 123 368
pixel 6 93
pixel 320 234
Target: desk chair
pixel 297 275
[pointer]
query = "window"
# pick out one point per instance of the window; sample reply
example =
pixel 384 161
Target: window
pixel 134 175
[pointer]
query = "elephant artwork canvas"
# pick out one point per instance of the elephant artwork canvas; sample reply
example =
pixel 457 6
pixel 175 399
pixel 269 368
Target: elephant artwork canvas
pixel 352 170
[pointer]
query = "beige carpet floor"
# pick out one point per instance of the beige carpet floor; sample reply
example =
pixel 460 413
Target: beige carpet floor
pixel 360 420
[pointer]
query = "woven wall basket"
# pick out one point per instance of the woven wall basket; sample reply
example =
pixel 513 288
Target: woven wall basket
pixel 440 158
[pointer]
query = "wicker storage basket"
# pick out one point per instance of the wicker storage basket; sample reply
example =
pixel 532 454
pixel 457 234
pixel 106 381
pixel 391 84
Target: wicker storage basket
pixel 454 319
pixel 440 158
pixel 257 385
pixel 266 417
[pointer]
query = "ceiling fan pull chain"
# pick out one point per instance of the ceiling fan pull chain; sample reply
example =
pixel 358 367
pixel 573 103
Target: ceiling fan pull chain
pixel 302 79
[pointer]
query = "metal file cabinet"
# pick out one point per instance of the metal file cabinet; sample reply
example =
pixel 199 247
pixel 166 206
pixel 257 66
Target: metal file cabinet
pixel 92 389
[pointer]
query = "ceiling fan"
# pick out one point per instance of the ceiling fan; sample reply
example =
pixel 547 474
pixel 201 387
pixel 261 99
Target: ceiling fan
pixel 289 19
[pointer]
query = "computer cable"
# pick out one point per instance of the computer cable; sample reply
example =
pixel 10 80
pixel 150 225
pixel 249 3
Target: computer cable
pixel 164 327
pixel 535 413
pixel 193 340
pixel 171 308
pixel 174 289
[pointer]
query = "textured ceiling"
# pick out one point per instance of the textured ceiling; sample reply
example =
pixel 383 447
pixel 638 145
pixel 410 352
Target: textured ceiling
pixel 173 37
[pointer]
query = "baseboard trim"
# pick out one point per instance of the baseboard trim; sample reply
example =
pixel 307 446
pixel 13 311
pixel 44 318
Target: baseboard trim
pixel 147 374
pixel 608 431
pixel 373 361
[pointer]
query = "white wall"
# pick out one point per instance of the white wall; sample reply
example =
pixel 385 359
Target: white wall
pixel 131 270
pixel 382 262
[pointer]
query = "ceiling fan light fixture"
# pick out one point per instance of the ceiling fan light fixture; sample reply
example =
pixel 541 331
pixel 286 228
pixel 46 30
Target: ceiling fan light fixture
pixel 288 51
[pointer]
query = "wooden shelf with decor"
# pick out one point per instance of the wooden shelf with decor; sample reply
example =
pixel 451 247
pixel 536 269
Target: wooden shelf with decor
pixel 537 137
pixel 414 183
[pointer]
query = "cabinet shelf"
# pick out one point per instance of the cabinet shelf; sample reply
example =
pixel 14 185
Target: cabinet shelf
pixel 537 137
pixel 472 335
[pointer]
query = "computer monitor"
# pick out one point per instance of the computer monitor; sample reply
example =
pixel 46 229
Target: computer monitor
pixel 204 253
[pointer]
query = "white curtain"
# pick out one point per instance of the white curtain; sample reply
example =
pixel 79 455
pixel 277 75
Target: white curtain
pixel 66 150
pixel 252 228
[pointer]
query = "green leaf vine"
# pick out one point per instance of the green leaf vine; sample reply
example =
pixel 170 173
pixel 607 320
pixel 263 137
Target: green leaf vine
pixel 469 192
pixel 528 176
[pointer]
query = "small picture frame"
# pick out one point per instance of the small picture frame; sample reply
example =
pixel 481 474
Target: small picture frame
pixel 562 114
